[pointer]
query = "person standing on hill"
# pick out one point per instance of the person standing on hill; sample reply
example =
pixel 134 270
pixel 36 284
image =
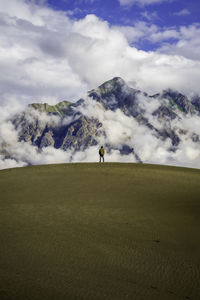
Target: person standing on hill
pixel 101 154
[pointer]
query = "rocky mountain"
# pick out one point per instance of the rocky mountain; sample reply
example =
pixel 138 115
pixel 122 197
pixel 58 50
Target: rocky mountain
pixel 115 115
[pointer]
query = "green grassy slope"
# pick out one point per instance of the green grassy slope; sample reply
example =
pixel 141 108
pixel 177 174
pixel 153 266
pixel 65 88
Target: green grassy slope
pixel 99 231
pixel 59 108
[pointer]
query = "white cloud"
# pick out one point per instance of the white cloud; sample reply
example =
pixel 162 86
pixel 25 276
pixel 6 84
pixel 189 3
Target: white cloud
pixel 182 12
pixel 187 44
pixel 32 54
pixel 150 16
pixel 137 32
pixel 6 163
pixel 182 41
pixel 46 56
pixel 140 2
pixel 85 1
pixel 167 34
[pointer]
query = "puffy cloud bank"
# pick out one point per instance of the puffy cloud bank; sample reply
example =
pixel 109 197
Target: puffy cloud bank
pixel 150 147
pixel 47 56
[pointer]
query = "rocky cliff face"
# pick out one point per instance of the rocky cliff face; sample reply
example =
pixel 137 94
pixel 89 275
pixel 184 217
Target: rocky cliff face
pixel 61 126
pixel 77 126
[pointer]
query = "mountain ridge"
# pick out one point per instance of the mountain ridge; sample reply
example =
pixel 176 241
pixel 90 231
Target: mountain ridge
pixel 91 121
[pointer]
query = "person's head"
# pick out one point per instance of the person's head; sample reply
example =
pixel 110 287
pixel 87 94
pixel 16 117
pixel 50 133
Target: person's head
pixel 101 146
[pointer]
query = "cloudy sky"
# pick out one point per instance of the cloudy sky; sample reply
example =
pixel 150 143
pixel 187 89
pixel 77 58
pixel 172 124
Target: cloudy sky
pixel 52 50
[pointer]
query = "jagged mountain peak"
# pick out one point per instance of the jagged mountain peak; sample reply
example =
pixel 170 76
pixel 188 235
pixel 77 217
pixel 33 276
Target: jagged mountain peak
pixel 115 86
pixel 112 84
pixel 114 94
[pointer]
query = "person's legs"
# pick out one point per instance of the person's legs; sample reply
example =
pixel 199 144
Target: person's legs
pixel 101 157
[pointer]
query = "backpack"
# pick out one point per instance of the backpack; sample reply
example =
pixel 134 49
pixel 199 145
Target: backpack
pixel 101 151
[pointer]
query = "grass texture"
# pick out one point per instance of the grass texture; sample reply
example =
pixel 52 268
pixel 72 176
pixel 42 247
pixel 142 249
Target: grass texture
pixel 100 231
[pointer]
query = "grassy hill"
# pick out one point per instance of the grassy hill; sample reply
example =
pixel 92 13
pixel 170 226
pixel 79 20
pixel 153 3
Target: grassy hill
pixel 99 231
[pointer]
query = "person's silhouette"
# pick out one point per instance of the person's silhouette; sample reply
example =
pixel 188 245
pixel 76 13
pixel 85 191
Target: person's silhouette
pixel 101 154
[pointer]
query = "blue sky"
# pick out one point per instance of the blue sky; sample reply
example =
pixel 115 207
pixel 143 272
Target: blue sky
pixel 166 15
